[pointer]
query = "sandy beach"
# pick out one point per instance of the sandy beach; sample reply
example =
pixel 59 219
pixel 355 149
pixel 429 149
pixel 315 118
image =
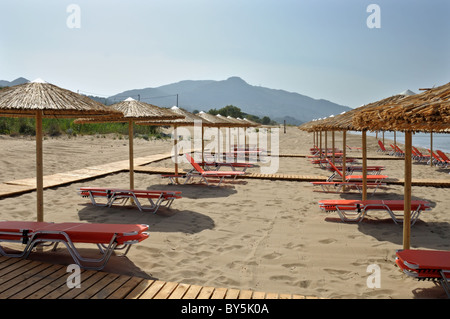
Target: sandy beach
pixel 253 234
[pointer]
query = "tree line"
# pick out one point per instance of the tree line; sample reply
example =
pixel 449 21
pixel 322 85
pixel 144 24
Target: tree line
pixel 236 112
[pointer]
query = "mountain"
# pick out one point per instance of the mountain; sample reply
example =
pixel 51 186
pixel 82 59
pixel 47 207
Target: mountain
pixel 12 83
pixel 260 101
pixel 204 95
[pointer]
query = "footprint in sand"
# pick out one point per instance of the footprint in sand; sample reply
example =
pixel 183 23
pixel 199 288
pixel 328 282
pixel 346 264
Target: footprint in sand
pixel 303 283
pixel 282 278
pixel 342 274
pixel 293 266
pixel 327 241
pixel 271 256
pixel 294 245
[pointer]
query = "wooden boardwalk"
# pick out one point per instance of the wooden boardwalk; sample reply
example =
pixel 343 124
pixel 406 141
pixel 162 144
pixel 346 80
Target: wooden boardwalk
pixel 29 184
pixel 301 178
pixel 28 279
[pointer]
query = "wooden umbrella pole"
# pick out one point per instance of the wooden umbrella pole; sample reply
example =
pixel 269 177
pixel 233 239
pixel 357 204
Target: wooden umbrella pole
pixel 218 145
pixel 203 144
pixel 332 144
pixel 39 168
pixel 344 157
pixel 131 151
pixel 407 191
pixel 320 145
pixel 175 146
pixel 431 148
pixel 364 156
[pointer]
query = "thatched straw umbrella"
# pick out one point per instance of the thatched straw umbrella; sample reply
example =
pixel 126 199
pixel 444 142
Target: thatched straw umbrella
pixel 244 124
pixel 134 111
pixel 218 122
pixel 40 99
pixel 425 112
pixel 344 122
pixel 187 119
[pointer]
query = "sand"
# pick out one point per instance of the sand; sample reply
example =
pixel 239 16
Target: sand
pixel 260 235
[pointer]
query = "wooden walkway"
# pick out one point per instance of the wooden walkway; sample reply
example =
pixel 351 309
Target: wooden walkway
pixel 27 185
pixel 28 279
pixel 301 178
pixel 17 187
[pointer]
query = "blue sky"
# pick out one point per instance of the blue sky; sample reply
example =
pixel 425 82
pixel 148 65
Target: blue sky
pixel 320 48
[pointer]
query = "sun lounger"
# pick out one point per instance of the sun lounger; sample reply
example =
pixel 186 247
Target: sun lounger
pixel 211 166
pixel 329 155
pixel 338 187
pixel 354 148
pixel 375 169
pixel 382 148
pixel 107 197
pixel 355 210
pixel 436 159
pixel 397 151
pixel 426 265
pixel 316 150
pixel 352 178
pixel 206 175
pixel 323 163
pixel 419 156
pixel 445 161
pixel 351 181
pixel 107 237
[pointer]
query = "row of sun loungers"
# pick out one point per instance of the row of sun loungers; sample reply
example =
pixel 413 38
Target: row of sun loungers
pixel 438 158
pixel 420 264
pixel 108 238
pixel 336 181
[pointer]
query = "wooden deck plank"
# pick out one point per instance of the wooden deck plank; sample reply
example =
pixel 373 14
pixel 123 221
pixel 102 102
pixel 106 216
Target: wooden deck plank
pixel 139 289
pixel 245 294
pixel 205 293
pixel 96 287
pixel 21 275
pixel 258 295
pixel 179 291
pixel 126 288
pixel 34 283
pixel 54 281
pixel 166 290
pixel 271 296
pixel 232 294
pixel 111 287
pixel 152 290
pixel 192 292
pixel 219 293
pixel 71 293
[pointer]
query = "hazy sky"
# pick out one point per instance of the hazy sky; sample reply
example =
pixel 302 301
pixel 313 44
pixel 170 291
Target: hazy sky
pixel 320 48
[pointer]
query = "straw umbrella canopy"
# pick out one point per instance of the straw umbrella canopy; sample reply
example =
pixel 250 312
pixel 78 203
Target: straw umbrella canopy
pixel 133 111
pixel 424 112
pixel 40 99
pixel 218 122
pixel 187 119
pixel 344 122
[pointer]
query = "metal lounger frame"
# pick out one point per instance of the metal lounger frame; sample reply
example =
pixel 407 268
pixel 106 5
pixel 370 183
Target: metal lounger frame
pixel 32 242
